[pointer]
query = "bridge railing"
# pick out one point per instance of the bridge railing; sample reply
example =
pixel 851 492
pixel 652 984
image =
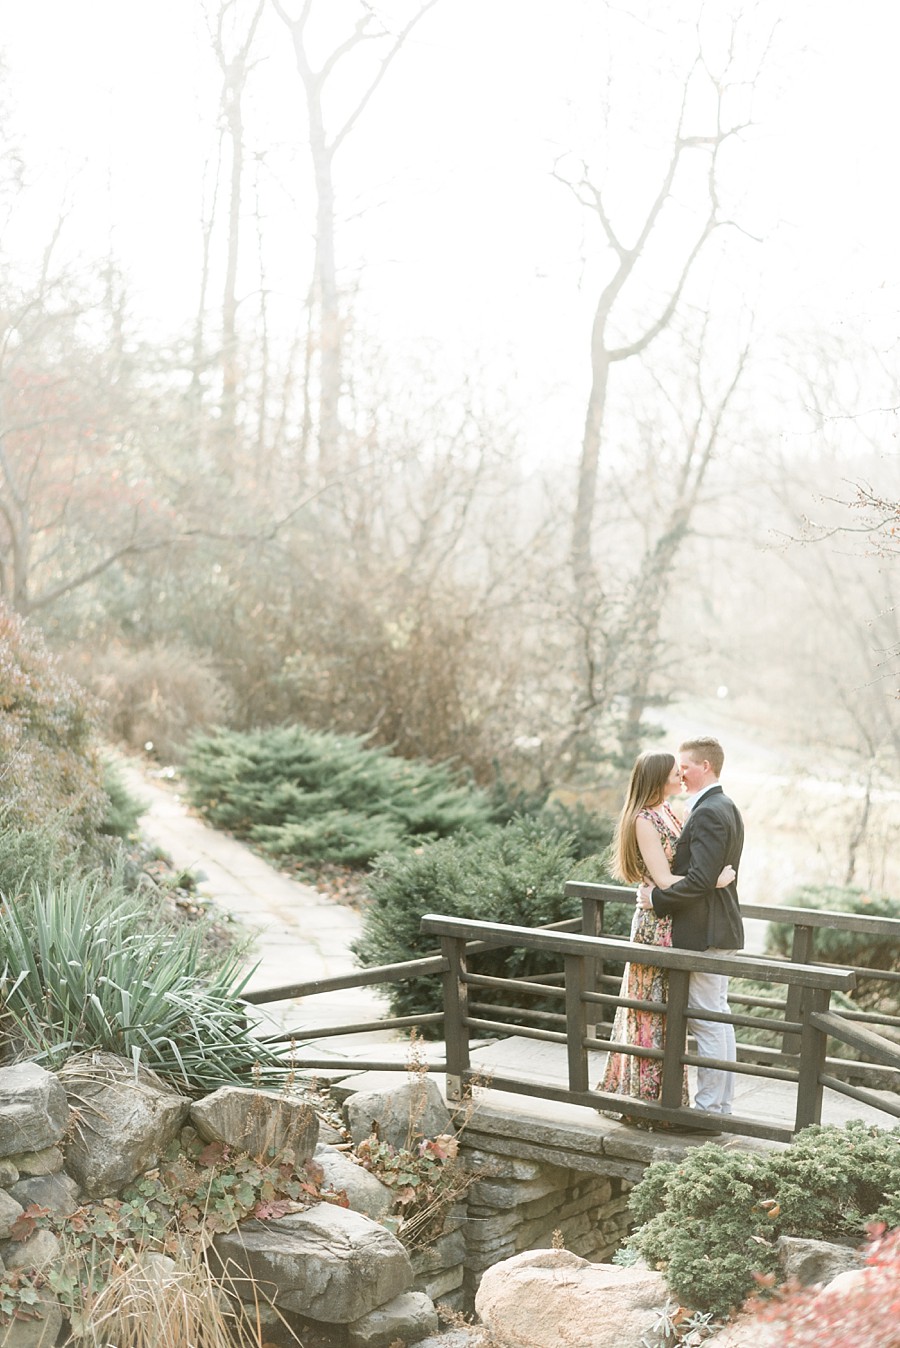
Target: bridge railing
pixel 805 923
pixel 584 993
pixel 580 954
pixel 381 975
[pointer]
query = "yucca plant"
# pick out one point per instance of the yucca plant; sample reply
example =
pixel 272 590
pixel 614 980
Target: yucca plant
pixel 86 966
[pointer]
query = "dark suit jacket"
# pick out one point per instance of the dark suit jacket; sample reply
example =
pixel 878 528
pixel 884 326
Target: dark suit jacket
pixel 703 916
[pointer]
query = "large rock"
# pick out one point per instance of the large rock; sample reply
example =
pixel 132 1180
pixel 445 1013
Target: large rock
pixel 838 1302
pixel 554 1299
pixel 261 1123
pixel 454 1338
pixel 401 1115
pixel 326 1263
pixel 40 1249
pixel 47 1161
pixel 38 1333
pixel 407 1319
pixel 10 1212
pixel 746 1330
pixel 57 1193
pixel 33 1109
pixel 807 1261
pixel 365 1192
pixel 123 1123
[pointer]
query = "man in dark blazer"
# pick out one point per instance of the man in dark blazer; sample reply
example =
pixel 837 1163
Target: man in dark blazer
pixel 704 917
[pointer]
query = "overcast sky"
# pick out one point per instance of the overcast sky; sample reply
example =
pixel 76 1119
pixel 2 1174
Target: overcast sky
pixel 455 225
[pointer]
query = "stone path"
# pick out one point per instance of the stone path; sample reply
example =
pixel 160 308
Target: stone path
pixel 300 933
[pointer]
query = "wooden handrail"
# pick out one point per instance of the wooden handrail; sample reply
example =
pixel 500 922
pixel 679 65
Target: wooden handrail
pixel 597 947
pixel 375 973
pixel 799 917
pixel 875 1045
pixel 811 984
pixel 359 978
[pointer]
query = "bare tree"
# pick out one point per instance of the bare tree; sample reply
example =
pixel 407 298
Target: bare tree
pixel 642 315
pixel 324 145
pixel 68 511
pixel 683 426
pixel 653 578
pixel 619 293
pixel 235 66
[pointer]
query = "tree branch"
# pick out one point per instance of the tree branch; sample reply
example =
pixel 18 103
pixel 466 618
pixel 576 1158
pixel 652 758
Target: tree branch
pixel 651 333
pixel 382 71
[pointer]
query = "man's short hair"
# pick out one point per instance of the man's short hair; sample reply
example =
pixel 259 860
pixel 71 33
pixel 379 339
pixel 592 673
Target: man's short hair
pixel 705 747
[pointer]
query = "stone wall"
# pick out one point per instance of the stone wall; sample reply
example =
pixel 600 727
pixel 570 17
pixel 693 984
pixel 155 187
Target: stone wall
pixel 521 1205
pixel 88 1132
pixel 534 1180
pixel 439 1267
pixel 535 1172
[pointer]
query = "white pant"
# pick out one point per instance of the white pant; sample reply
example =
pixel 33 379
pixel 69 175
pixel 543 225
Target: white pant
pixel 709 992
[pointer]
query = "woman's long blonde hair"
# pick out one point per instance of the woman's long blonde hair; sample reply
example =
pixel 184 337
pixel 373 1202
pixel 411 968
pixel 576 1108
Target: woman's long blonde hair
pixel 646 788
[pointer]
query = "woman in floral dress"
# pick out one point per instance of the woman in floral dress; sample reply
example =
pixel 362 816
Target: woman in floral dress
pixel 644 844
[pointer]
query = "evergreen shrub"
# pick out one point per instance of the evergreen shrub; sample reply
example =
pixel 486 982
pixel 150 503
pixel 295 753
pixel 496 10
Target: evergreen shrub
pixel 315 796
pixel 711 1221
pixel 593 833
pixel 848 947
pixel 122 811
pixel 513 874
pixel 27 857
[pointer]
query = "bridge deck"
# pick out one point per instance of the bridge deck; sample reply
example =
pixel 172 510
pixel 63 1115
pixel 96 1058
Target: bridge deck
pixel 580 1131
pixel 755 1097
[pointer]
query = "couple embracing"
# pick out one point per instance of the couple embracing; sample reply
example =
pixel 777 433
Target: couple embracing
pixel 687 898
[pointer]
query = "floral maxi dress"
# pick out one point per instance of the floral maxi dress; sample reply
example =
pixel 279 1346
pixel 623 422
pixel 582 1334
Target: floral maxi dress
pixel 626 1074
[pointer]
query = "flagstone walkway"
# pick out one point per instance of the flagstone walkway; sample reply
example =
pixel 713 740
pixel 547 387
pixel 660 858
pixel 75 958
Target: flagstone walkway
pixel 300 933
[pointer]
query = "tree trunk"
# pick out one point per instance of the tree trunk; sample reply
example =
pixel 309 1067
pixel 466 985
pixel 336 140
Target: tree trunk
pixel 228 423
pixel 326 291
pixel 588 468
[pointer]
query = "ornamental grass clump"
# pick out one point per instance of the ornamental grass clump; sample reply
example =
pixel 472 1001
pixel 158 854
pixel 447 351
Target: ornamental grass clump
pixel 86 966
pixel 118 1297
pixel 141 1304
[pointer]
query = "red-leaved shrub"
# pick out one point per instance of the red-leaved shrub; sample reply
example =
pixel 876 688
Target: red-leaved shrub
pixel 50 772
pixel 860 1309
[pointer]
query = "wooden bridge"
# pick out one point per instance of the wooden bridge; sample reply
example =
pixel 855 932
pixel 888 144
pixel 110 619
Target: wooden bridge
pixel 818 1052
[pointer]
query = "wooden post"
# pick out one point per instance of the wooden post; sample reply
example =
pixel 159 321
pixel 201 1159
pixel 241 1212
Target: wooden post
pixel 676 1033
pixel 813 1043
pixel 592 911
pixel 456 1014
pixel 576 1021
pixel 801 953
